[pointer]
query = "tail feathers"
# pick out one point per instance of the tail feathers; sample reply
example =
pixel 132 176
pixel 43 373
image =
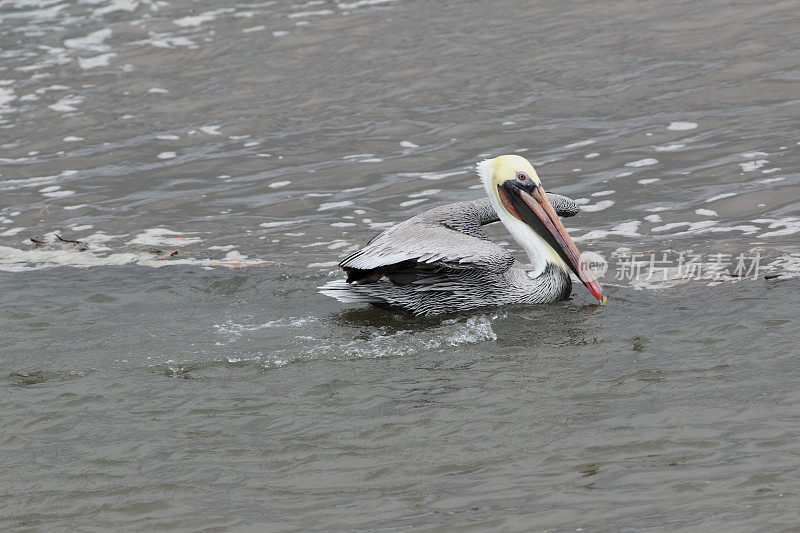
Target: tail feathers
pixel 348 293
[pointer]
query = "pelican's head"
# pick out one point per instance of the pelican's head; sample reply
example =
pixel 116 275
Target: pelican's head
pixel 523 207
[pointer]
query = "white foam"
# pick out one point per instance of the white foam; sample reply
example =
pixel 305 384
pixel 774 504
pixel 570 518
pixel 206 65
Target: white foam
pixel 234 255
pixel 100 238
pixel 172 41
pixel 163 237
pixel 280 223
pixel 653 218
pixel 93 41
pixel 790 226
pixel 11 232
pixel 101 60
pixel 334 205
pixel 197 20
pixel 451 333
pixel 117 5
pixel 371 160
pixel 359 3
pixel 669 147
pixel 380 224
pixel 235 329
pixel 788 265
pixel 14 260
pixel 168 137
pixel 646 181
pixel 279 184
pixel 770 180
pixel 58 194
pixel 692 227
pixel 721 196
pixel 67 104
pixel 166 155
pixel 157 90
pixel 280 33
pixel 252 29
pixel 706 212
pixel 72 139
pixel 603 193
pixel 408 203
pixel 626 229
pixel 426 192
pixel 327 264
pixel 591 155
pixel 753 155
pixel 476 329
pixel 317 13
pixel 599 206
pixel 433 176
pixel 682 126
pixel 408 144
pixel 642 162
pixel 753 165
pixel 210 130
pixel 580 144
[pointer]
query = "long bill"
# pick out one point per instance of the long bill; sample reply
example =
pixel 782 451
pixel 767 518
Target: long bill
pixel 557 236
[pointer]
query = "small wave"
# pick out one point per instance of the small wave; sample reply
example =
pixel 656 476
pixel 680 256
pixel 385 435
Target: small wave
pixel 380 343
pixel 234 329
pixel 310 344
pixel 681 126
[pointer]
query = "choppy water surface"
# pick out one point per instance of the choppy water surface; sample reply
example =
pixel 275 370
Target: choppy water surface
pixel 214 388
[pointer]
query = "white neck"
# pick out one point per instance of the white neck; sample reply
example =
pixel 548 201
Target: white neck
pixel 539 252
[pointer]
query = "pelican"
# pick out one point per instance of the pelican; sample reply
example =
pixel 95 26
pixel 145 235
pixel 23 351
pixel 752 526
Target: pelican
pixel 441 261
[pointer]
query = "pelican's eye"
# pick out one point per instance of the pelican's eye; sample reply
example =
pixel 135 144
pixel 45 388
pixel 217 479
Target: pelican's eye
pixel 521 176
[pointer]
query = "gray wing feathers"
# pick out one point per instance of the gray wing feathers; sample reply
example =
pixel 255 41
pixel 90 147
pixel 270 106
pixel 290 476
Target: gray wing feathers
pixel 565 207
pixel 430 244
pixel 448 236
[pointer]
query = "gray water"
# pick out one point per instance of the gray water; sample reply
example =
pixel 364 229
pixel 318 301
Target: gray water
pixel 214 389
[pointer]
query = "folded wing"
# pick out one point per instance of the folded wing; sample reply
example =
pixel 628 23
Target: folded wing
pixel 448 237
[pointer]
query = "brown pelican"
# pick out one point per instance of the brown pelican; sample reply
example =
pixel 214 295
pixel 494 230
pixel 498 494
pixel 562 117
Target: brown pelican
pixel 441 261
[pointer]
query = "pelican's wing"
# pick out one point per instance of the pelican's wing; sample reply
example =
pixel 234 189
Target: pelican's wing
pixel 448 236
pixel 563 205
pixel 408 250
